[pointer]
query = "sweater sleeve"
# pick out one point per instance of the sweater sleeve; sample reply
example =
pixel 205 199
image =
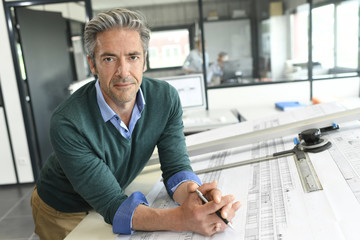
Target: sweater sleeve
pixel 171 144
pixel 87 172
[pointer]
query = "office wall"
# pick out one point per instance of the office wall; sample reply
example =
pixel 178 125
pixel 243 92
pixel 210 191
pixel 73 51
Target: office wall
pixel 13 106
pixel 7 169
pixel 232 36
pixel 21 160
pixel 340 88
pixel 258 96
pixel 262 97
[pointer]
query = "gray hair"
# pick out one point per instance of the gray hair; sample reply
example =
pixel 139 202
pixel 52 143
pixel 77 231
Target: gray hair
pixel 115 18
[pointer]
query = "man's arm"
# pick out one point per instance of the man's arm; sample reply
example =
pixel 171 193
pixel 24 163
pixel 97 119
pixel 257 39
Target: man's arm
pixel 180 181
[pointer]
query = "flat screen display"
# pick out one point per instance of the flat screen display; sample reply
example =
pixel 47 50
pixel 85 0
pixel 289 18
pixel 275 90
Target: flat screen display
pixel 191 90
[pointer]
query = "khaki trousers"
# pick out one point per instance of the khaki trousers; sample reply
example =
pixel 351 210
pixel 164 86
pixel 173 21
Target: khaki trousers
pixel 51 224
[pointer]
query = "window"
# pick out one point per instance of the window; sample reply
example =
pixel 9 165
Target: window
pixel 168 48
pixel 347 32
pixel 299 34
pixel 335 36
pixel 323 36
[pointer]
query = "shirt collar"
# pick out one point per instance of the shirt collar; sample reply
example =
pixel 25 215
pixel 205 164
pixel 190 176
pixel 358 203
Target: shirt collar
pixel 106 112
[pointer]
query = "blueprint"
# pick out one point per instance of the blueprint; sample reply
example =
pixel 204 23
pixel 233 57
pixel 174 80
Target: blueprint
pixel 274 204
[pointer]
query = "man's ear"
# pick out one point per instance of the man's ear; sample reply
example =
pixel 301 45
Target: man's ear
pixel 92 65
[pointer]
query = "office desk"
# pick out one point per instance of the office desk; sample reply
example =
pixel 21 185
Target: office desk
pixel 274 205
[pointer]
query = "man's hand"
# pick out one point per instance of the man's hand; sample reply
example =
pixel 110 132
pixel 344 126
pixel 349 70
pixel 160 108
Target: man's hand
pixel 201 218
pixel 192 214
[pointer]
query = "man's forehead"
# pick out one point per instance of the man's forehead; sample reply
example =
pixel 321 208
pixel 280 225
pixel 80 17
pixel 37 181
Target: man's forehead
pixel 115 40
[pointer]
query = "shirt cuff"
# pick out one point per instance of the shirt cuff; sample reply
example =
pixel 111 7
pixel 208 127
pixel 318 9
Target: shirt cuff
pixel 122 222
pixel 174 181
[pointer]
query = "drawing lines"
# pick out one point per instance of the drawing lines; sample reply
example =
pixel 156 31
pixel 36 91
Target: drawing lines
pixel 217 159
pixel 266 211
pixel 346 154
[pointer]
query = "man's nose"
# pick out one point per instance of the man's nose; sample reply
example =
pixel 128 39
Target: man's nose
pixel 122 70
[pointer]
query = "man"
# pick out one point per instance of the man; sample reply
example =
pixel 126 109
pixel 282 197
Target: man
pixel 215 70
pixel 105 133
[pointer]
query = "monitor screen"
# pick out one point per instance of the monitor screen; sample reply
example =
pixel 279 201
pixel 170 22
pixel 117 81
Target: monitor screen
pixel 191 90
pixel 231 70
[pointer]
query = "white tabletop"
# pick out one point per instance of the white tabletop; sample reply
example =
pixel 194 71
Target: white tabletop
pixel 94 227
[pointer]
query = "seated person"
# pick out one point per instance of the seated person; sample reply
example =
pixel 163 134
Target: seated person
pixel 215 71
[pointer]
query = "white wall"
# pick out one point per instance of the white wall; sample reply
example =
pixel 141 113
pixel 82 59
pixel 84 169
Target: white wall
pixel 258 95
pixel 13 107
pixel 259 101
pixel 254 102
pixel 7 169
pixel 232 36
pixel 336 88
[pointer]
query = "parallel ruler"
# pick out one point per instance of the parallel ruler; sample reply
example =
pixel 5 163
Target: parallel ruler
pixel 267 134
pixel 274 132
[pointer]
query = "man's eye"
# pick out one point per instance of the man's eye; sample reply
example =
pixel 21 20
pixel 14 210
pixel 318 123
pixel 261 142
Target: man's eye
pixel 134 57
pixel 108 59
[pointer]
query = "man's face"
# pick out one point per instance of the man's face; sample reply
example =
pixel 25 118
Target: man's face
pixel 119 65
pixel 223 59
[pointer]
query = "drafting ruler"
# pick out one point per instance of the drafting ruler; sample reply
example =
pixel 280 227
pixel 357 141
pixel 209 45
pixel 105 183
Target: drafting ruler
pixel 307 173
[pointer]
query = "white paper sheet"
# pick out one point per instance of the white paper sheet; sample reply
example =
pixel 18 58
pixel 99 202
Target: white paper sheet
pixel 274 204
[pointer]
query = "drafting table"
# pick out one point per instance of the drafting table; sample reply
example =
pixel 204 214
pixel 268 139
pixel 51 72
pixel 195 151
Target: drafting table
pixel 274 203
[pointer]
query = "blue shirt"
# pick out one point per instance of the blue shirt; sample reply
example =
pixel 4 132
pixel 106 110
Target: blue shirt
pixel 214 71
pixel 109 114
pixel 122 222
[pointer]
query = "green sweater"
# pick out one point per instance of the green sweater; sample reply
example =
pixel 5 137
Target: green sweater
pixel 93 163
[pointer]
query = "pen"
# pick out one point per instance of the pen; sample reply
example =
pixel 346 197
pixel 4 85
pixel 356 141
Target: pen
pixel 217 212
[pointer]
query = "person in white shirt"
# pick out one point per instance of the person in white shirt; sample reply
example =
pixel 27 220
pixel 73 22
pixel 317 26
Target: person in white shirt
pixel 194 61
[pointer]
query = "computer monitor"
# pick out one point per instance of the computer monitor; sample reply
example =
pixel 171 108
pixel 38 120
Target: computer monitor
pixel 191 90
pixel 231 70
